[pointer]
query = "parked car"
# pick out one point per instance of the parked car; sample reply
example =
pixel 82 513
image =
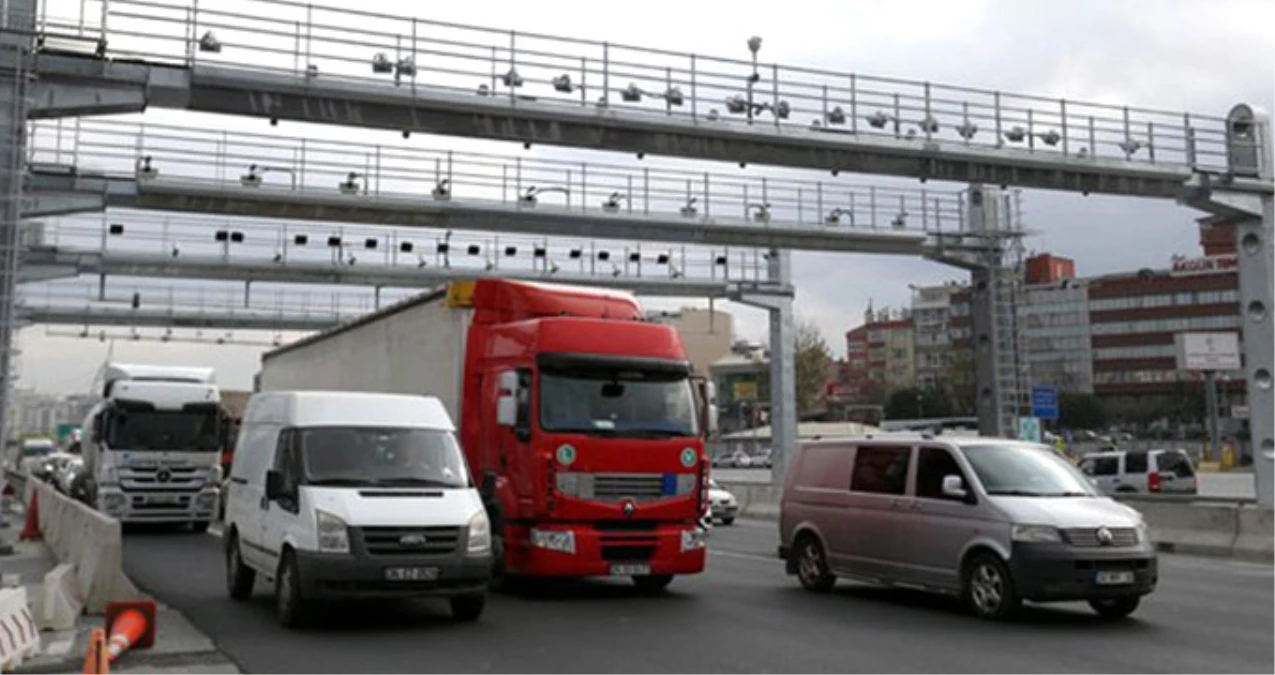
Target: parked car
pixel 1141 471
pixel 993 521
pixel 722 504
pixel 737 459
pixel 72 479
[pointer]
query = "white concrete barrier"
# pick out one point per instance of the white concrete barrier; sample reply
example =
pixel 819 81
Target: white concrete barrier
pixel 90 541
pixel 19 636
pixel 1254 540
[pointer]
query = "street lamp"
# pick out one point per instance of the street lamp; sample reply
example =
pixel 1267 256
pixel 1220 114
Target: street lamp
pixel 754 46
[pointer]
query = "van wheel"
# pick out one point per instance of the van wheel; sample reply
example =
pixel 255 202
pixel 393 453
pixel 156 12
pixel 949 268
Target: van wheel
pixel 988 588
pixel 290 606
pixel 239 577
pixel 468 607
pixel 1115 608
pixel 652 583
pixel 812 566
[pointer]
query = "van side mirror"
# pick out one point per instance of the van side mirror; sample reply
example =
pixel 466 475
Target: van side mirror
pixel 954 487
pixel 274 485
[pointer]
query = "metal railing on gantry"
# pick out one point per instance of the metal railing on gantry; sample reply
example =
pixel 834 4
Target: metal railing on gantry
pixel 313 166
pixel 424 57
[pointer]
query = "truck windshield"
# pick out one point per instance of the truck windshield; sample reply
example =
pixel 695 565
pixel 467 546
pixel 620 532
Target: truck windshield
pixel 181 431
pixel 381 456
pixel 1025 471
pixel 606 401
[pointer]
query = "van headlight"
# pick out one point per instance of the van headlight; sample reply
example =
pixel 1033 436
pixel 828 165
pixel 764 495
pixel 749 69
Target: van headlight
pixel 479 534
pixel 1035 534
pixel 334 536
pixel 562 541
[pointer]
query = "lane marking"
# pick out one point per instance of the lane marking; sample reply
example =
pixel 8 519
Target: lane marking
pixel 744 556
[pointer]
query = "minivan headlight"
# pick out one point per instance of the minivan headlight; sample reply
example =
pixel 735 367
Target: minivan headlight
pixel 479 534
pixel 334 536
pixel 1035 534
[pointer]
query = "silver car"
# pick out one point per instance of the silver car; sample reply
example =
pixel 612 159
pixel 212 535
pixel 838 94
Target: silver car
pixel 1141 471
pixel 995 522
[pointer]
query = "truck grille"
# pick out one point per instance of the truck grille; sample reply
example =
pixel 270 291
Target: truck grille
pixel 180 479
pixel 613 487
pixel 1087 537
pixel 407 540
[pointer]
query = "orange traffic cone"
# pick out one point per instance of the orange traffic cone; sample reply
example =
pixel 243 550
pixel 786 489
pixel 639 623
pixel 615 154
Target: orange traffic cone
pixel 95 661
pixel 31 530
pixel 132 625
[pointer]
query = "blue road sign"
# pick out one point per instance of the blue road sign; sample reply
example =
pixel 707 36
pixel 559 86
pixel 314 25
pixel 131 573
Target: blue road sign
pixel 1045 403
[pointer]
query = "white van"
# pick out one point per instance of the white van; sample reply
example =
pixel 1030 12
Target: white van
pixel 352 495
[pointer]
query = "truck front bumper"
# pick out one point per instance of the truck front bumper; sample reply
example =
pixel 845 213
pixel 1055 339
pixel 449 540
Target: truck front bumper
pixel 665 549
pixel 156 507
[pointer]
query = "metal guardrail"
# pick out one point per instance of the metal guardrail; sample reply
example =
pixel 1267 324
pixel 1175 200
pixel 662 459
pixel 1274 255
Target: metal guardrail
pixel 1183 499
pixel 420 55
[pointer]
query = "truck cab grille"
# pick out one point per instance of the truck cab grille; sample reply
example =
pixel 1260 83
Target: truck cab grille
pixel 613 487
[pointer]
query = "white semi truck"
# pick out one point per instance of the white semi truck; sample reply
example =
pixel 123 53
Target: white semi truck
pixel 154 444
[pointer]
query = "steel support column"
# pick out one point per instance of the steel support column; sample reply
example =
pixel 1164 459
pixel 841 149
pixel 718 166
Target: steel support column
pixel 984 334
pixel 16 23
pixel 1254 240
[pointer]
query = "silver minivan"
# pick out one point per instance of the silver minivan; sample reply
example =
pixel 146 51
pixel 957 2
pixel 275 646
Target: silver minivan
pixel 993 521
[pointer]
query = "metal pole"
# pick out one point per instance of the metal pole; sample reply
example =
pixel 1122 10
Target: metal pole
pixel 1210 405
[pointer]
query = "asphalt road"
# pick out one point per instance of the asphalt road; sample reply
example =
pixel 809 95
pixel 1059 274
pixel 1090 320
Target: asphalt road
pixel 1237 485
pixel 743 615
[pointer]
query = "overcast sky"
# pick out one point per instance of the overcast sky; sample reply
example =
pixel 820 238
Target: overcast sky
pixel 1173 55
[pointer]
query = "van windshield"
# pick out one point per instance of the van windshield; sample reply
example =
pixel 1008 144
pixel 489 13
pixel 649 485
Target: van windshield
pixel 381 457
pixel 1025 471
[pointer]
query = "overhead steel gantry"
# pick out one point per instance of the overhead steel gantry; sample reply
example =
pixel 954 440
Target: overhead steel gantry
pixel 291 61
pixel 170 317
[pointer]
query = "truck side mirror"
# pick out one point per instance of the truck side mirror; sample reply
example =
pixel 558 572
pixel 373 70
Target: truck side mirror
pixel 710 423
pixel 506 410
pixel 274 485
pixel 95 430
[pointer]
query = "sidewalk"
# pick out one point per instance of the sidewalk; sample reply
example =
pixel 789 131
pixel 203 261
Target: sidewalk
pixel 179 646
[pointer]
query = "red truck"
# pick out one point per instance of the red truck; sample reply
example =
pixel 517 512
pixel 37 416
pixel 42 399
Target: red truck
pixel 581 421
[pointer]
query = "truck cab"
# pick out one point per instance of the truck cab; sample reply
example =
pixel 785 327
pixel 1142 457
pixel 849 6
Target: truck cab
pixel 583 424
pixel 154 444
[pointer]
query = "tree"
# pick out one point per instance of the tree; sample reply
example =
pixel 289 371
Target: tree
pixel 911 403
pixel 813 364
pixel 1081 411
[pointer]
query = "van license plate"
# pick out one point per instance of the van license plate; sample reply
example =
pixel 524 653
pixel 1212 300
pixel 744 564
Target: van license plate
pixel 629 569
pixel 411 573
pixel 1113 578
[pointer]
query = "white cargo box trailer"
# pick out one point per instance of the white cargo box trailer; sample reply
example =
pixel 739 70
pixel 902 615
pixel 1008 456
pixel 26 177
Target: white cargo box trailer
pixel 413 347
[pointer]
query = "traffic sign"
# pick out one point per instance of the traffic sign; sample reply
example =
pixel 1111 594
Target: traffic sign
pixel 1045 403
pixel 1029 429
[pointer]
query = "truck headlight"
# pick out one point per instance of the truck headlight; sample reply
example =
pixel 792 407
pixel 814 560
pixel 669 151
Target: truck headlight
pixel 1144 532
pixel 694 540
pixel 216 476
pixel 334 536
pixel 206 501
pixel 113 502
pixel 479 534
pixel 562 541
pixel 110 475
pixel 1035 534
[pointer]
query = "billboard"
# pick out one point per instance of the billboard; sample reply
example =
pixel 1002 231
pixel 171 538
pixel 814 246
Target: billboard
pixel 1208 351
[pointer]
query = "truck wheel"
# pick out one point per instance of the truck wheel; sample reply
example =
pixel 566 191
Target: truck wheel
pixel 728 521
pixel 290 606
pixel 989 589
pixel 653 583
pixel 1115 608
pixel 468 607
pixel 239 577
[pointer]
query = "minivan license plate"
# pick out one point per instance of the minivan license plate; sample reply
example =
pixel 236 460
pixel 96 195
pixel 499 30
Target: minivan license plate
pixel 1113 578
pixel 411 573
pixel 629 569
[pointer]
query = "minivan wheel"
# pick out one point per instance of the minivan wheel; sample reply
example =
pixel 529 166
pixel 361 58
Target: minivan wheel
pixel 289 605
pixel 812 566
pixel 1115 608
pixel 239 577
pixel 989 589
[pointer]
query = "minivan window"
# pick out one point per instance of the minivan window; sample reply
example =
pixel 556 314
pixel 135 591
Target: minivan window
pixel 1106 466
pixel 881 470
pixel 361 456
pixel 932 464
pixel 1025 470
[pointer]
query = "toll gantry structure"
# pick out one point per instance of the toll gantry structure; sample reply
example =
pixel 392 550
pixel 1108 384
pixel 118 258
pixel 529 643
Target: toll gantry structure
pixel 289 61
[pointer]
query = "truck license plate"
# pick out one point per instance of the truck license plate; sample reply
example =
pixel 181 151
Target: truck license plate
pixel 411 573
pixel 164 499
pixel 629 569
pixel 1113 578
